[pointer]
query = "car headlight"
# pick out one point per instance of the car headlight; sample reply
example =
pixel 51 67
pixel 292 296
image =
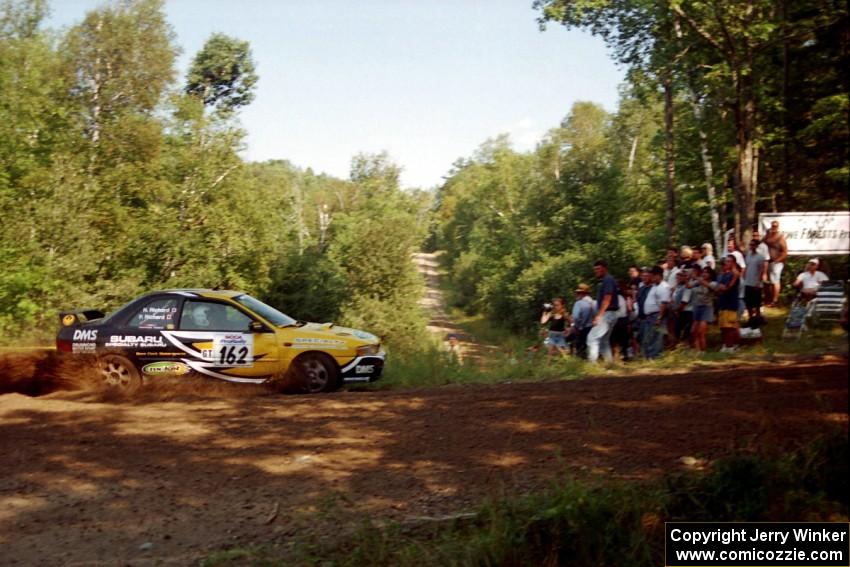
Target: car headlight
pixel 368 350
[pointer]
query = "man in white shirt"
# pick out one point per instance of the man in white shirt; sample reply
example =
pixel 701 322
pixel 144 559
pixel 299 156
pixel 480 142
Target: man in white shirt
pixel 808 282
pixel 655 309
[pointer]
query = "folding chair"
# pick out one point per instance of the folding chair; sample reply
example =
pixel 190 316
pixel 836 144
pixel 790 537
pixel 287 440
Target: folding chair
pixel 795 323
pixel 827 304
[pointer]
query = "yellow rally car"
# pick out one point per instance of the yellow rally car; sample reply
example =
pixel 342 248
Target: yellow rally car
pixel 227 335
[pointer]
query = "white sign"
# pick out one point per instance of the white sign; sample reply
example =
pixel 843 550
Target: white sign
pixel 811 233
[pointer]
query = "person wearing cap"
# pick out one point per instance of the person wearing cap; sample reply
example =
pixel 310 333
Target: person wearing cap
pixel 686 258
pixel 808 282
pixel 583 311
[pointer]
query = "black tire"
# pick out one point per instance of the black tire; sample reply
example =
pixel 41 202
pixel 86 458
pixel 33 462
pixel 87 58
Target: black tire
pixel 119 373
pixel 312 373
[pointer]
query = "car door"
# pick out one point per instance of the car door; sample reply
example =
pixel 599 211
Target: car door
pixel 223 341
pixel 139 337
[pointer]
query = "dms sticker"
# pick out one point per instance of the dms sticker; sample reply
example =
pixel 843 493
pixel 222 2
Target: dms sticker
pixel 169 368
pixel 85 335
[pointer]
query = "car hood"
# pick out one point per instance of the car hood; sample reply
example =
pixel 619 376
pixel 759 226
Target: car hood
pixel 331 330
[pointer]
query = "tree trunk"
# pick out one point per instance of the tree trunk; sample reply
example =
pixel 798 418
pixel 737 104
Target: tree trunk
pixel 670 166
pixel 633 152
pixel 748 155
pixel 708 170
pixel 737 199
pixel 298 202
pixel 95 92
pixel 785 183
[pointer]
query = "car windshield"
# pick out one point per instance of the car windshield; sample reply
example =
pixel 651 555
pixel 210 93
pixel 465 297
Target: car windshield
pixel 268 313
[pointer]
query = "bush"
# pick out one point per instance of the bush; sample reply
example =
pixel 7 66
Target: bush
pixel 592 523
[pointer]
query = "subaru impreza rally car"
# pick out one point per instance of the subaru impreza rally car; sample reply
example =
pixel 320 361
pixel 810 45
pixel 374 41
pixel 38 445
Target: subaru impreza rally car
pixel 226 335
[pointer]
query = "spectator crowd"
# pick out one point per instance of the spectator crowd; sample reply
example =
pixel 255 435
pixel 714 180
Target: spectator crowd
pixel 673 302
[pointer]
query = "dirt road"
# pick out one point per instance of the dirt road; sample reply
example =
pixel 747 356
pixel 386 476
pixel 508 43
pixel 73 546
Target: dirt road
pixel 466 347
pixel 166 477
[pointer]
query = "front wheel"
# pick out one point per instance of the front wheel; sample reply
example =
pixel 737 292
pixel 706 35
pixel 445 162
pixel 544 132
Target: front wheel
pixel 312 373
pixel 119 373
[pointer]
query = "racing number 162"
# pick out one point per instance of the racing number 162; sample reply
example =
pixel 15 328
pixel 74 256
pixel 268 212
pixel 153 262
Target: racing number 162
pixel 232 354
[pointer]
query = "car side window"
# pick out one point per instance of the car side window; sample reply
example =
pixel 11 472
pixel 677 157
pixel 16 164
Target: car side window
pixel 156 314
pixel 210 316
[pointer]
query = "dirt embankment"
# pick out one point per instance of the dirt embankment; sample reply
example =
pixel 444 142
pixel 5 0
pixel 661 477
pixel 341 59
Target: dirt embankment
pixel 169 475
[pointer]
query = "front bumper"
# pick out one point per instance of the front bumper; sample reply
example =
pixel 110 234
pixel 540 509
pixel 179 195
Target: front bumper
pixel 364 368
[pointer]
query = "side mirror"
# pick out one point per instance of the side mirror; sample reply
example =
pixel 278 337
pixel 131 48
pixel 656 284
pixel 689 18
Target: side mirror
pixel 257 327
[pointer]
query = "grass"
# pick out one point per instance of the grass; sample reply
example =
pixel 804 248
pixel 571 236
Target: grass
pixel 486 331
pixel 433 366
pixel 589 523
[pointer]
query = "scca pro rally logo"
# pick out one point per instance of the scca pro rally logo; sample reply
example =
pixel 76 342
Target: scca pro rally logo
pixel 85 335
pixel 232 340
pixel 135 341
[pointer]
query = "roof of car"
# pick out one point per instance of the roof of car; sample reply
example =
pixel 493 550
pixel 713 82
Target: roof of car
pixel 190 292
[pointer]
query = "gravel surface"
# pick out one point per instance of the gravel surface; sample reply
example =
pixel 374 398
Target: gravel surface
pixel 166 476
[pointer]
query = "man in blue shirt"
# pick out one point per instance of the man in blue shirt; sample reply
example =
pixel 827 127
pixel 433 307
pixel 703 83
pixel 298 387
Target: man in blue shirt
pixel 583 310
pixel 599 338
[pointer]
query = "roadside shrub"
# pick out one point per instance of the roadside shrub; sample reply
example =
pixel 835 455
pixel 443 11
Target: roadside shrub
pixel 592 523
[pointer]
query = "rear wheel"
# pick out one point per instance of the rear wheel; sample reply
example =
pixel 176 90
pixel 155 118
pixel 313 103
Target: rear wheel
pixel 313 373
pixel 119 373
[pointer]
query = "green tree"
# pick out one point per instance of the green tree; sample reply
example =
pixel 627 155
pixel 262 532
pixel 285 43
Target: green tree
pixel 372 244
pixel 222 73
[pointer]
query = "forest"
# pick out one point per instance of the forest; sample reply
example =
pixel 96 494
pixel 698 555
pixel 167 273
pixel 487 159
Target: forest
pixel 118 176
pixel 730 109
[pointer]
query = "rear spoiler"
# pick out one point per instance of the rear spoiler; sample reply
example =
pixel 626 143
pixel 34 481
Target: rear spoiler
pixel 78 316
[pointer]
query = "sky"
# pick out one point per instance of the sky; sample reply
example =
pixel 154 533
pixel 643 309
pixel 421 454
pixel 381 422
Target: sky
pixel 428 82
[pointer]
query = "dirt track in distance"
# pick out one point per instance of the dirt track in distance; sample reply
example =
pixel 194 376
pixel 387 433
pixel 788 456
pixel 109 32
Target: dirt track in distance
pixel 87 480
